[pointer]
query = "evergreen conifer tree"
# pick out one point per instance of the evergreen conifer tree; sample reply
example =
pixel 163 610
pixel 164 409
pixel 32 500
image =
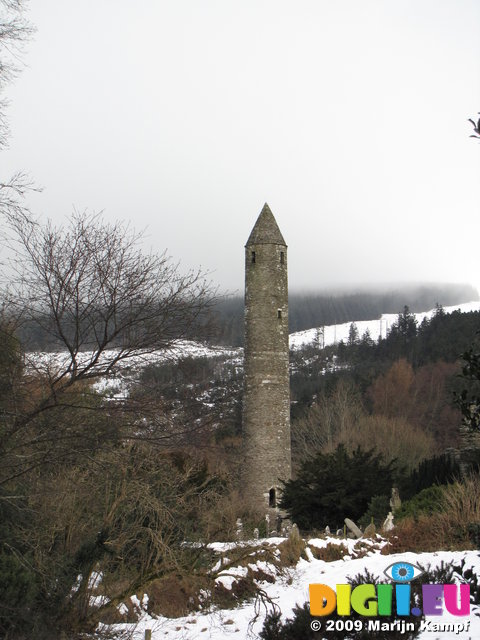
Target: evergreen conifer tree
pixel 334 486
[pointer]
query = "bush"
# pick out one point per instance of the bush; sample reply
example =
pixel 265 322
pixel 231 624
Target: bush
pixel 292 549
pixel 296 628
pixel 331 487
pixel 437 470
pixel 461 514
pixel 330 552
pixel 454 523
pixel 18 592
pixel 424 534
pixel 426 502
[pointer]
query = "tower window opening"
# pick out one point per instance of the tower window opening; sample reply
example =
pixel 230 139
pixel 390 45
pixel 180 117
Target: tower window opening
pixel 282 257
pixel 272 498
pixel 253 256
pixel 279 314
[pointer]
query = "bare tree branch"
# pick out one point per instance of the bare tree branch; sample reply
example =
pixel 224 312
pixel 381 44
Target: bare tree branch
pixel 15 30
pixel 101 302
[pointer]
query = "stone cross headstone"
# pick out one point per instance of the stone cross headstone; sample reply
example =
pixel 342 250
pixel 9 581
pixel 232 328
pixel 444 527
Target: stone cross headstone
pixel 388 524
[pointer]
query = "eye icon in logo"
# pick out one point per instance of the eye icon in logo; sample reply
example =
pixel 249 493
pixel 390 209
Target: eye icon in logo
pixel 403 571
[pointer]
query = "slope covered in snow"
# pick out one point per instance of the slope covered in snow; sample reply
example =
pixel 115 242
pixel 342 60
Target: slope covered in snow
pixel 378 328
pixel 289 586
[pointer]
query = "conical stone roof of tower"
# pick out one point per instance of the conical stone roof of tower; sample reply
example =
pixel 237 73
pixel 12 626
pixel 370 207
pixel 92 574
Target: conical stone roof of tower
pixel 266 229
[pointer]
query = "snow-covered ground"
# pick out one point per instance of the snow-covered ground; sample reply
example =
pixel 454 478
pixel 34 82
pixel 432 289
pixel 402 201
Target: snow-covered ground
pixel 291 588
pixel 377 328
pixel 116 385
pixel 180 349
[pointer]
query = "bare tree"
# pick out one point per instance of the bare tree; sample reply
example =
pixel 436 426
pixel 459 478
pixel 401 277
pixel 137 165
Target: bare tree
pixel 101 301
pixel 89 286
pixel 326 422
pixel 14 32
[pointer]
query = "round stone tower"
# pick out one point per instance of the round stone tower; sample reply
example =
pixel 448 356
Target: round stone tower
pixel 266 395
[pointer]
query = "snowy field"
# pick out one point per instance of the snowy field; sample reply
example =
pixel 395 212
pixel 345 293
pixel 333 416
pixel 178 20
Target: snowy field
pixel 378 328
pixel 291 588
pixel 180 349
pixel 117 383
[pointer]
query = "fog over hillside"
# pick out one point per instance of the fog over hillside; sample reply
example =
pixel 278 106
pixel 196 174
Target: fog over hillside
pixel 338 305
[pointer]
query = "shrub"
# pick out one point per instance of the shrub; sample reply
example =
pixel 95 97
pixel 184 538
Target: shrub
pixel 296 628
pixel 18 592
pixel 437 470
pixel 461 514
pixel 175 595
pixel 331 487
pixel 424 534
pixel 454 522
pixel 292 549
pixel 426 502
pixel 330 552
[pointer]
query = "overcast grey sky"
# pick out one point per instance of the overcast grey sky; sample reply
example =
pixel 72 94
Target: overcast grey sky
pixel 184 116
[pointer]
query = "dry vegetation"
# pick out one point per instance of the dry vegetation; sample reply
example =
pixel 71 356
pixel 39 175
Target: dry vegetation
pixel 456 526
pixel 409 417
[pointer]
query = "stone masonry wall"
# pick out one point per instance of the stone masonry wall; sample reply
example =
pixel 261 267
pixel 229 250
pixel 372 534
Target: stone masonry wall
pixel 266 404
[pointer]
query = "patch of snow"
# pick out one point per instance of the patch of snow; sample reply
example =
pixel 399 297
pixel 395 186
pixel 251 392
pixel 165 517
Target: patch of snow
pixel 77 584
pixel 378 328
pixel 220 547
pixel 226 581
pixel 94 580
pixel 98 601
pixel 291 588
pixel 180 349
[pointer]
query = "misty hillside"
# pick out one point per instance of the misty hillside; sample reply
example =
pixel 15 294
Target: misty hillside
pixel 307 310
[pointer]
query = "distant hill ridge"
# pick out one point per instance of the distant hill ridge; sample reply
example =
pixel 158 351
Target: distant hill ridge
pixel 306 311
pixel 309 310
pixel 377 328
